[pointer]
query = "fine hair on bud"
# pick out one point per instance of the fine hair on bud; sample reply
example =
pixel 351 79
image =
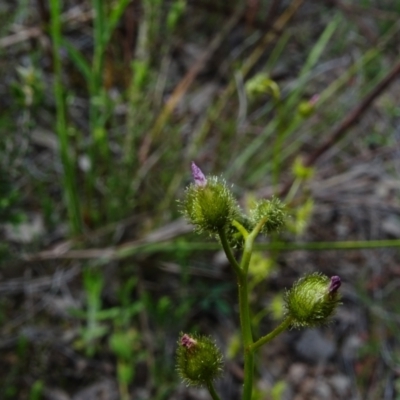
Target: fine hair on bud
pixel 272 211
pixel 198 360
pixel 210 207
pixel 312 300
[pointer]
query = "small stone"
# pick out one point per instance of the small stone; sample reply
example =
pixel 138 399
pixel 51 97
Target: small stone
pixel 350 347
pixel 25 232
pixel 314 346
pixel 341 384
pixel 322 390
pixel 391 226
pixel 297 372
pixel 307 386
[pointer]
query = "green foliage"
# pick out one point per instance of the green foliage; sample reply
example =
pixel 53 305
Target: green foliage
pixel 126 345
pixel 36 392
pixel 301 217
pixel 275 393
pixel 261 84
pixel 29 88
pixel 300 171
pixel 93 284
pixel 260 268
pixel 175 13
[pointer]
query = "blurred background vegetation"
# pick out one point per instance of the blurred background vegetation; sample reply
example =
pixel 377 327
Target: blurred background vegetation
pixel 103 106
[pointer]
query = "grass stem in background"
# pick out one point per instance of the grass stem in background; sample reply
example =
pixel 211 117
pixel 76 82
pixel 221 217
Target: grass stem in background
pixel 69 178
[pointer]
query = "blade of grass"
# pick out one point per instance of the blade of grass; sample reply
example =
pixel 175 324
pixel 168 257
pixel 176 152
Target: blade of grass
pixel 113 19
pixel 78 59
pixel 69 179
pixel 311 61
pixel 96 83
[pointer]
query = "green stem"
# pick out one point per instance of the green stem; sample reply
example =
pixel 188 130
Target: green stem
pixel 248 245
pixel 244 309
pixel 267 338
pixel 279 140
pixel 212 391
pixel 240 228
pixel 229 254
pixel 293 190
pixel 69 187
pixel 245 324
pixel 98 99
pixel 248 374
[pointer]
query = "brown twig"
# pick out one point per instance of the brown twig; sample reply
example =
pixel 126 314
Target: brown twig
pixel 75 14
pixel 350 119
pixel 272 12
pixel 165 233
pixel 43 11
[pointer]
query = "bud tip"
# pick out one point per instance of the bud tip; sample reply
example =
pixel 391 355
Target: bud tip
pixel 314 99
pixel 187 341
pixel 334 284
pixel 198 176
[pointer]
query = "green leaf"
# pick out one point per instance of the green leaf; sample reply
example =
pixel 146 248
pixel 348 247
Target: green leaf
pixel 78 59
pixel 115 16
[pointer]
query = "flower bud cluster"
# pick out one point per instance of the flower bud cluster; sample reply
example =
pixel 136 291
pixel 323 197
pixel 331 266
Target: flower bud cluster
pixel 312 300
pixel 210 206
pixel 199 361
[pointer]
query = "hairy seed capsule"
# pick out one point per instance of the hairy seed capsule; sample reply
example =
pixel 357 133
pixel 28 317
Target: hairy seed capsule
pixel 198 360
pixel 272 211
pixel 208 203
pixel 312 300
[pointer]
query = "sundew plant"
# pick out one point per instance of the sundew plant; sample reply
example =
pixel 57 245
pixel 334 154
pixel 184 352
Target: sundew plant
pixel 210 206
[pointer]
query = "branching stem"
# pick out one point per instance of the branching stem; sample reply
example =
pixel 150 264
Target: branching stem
pixel 267 338
pixel 228 251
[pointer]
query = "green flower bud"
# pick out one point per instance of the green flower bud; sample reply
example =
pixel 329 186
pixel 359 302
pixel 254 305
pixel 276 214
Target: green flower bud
pixel 273 211
pixel 312 300
pixel 198 359
pixel 307 108
pixel 209 204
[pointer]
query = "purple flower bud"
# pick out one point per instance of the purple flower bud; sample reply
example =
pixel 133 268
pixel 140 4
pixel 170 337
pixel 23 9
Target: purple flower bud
pixel 187 341
pixel 334 284
pixel 198 176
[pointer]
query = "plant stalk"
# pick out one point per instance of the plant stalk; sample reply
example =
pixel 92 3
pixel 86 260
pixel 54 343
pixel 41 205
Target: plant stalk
pixel 267 338
pixel 69 186
pixel 228 251
pixel 212 391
